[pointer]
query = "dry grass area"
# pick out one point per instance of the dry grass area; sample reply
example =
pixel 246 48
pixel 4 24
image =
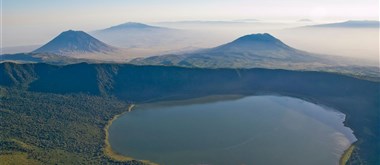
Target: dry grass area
pixel 17 158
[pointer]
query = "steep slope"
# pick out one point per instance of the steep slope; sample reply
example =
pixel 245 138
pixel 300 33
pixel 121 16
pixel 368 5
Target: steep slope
pixel 74 42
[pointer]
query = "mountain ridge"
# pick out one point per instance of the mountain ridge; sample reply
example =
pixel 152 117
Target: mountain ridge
pixel 348 24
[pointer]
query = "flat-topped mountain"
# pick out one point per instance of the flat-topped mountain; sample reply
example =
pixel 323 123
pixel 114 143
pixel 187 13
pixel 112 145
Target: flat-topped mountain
pixel 133 35
pixel 75 42
pixel 131 25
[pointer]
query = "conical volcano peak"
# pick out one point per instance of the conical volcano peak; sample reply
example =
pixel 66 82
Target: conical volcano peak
pixel 74 42
pixel 72 35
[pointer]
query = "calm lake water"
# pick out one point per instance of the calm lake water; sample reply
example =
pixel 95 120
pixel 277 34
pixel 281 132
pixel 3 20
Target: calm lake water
pixel 246 130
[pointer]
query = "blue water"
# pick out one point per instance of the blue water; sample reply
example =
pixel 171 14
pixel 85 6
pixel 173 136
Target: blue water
pixel 249 130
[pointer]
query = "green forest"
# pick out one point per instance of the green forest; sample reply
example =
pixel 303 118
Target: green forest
pixel 42 128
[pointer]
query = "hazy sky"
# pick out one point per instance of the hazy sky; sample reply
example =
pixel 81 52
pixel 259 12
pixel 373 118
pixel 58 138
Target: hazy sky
pixel 21 18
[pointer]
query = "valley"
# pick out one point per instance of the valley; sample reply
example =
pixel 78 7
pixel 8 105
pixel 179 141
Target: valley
pixel 355 98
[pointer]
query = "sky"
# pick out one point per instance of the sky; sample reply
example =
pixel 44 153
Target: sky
pixel 36 18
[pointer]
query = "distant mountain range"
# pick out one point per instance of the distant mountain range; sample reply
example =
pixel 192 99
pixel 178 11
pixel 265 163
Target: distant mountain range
pixel 348 24
pixel 211 22
pixel 250 51
pixel 75 42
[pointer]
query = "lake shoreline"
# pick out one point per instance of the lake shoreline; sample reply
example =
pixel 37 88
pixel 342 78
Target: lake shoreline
pixel 345 156
pixel 107 149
